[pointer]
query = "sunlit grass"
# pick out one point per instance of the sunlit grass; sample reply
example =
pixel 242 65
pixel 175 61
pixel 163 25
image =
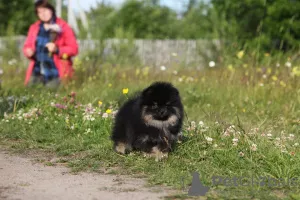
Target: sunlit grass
pixel 241 120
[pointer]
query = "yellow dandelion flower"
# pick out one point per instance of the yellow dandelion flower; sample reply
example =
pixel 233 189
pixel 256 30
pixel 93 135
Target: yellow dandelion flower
pixel 77 61
pixel 283 84
pixel 269 71
pixel 137 72
pixel 146 71
pixel 274 78
pixel 100 103
pixel 230 68
pixel 125 90
pixel 244 110
pixel 109 85
pixel 267 54
pixel 65 56
pixel 108 111
pixel 296 71
pixel 240 54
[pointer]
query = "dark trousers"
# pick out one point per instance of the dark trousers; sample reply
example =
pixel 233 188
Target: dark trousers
pixel 36 80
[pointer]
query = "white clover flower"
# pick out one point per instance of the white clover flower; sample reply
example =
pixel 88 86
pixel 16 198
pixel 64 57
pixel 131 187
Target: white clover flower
pixel 190 79
pixel 264 76
pixel 193 124
pixel 175 72
pixel 163 68
pixel 88 131
pixel 1 71
pixel 253 147
pixel 105 115
pixel 180 79
pixel 215 145
pixel 296 144
pixel 269 135
pixel 226 133
pixel 235 140
pixel 201 123
pixel 209 139
pixel 12 62
pixel 283 150
pixel 288 64
pixel 211 64
pixel 174 54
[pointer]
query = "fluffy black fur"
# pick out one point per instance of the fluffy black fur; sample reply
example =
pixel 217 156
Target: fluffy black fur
pixel 153 118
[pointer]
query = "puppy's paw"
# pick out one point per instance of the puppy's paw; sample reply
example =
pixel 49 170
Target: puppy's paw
pixel 147 155
pixel 157 154
pixel 160 156
pixel 122 148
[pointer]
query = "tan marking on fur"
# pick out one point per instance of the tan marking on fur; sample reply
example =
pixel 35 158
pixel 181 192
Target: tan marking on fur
pixel 121 148
pixel 172 120
pixel 148 118
pixel 157 154
pixel 166 140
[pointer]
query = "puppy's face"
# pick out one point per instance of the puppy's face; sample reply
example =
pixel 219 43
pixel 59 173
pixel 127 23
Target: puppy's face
pixel 161 102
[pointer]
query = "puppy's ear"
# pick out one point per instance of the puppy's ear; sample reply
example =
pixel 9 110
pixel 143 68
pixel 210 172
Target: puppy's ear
pixel 147 92
pixel 176 92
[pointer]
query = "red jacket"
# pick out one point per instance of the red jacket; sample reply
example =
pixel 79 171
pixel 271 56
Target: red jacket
pixel 66 43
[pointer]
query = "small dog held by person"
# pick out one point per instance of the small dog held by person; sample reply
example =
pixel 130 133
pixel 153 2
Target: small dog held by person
pixel 149 122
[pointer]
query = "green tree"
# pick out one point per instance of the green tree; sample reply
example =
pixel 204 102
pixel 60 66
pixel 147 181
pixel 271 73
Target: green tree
pixel 147 19
pixel 274 23
pixel 16 15
pixel 101 18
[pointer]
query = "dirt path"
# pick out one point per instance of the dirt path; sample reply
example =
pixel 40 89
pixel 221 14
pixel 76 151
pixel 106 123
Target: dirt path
pixel 21 178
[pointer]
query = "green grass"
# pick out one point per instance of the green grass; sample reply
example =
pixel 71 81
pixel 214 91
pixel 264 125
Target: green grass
pixel 260 109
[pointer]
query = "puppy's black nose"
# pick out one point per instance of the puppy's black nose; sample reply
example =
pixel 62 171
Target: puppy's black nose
pixel 163 112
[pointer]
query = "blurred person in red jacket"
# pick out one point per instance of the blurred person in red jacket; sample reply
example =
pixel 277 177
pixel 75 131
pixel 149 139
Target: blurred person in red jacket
pixel 50 45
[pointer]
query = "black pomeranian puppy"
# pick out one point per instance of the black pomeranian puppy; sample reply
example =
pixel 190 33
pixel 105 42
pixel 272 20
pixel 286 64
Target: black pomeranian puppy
pixel 149 122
